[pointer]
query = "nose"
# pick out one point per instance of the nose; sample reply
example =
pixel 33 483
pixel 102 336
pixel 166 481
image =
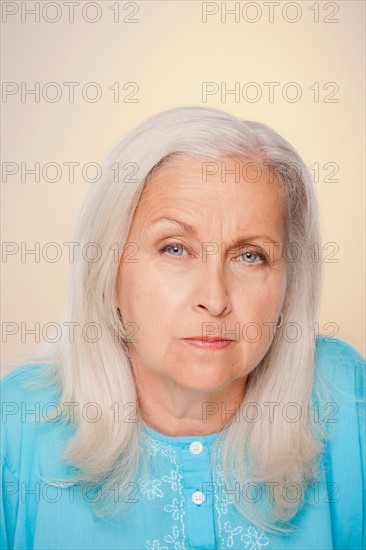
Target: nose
pixel 211 292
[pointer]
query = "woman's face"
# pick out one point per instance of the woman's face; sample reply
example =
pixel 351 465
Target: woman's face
pixel 200 282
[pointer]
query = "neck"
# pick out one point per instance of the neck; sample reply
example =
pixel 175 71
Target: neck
pixel 175 411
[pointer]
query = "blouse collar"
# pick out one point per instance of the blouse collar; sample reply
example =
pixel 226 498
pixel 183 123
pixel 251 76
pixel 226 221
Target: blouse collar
pixel 182 440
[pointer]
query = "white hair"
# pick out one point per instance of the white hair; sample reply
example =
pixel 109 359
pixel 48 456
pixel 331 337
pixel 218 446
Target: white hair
pixel 81 371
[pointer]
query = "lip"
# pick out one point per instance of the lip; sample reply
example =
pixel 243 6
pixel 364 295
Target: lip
pixel 209 338
pixel 207 342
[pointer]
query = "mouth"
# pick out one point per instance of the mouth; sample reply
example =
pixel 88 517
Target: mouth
pixel 208 342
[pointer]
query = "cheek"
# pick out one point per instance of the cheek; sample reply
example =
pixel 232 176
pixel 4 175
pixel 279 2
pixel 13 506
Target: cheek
pixel 144 299
pixel 262 298
pixel 271 301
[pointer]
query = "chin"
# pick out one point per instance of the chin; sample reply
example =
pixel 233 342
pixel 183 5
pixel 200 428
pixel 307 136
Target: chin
pixel 204 383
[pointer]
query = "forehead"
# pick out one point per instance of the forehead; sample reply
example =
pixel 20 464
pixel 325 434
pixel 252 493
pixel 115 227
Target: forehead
pixel 199 188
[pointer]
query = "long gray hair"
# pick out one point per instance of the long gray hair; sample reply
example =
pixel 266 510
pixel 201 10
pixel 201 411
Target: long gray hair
pixel 94 365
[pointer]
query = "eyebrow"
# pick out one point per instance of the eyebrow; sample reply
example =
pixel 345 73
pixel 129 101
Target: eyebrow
pixel 192 230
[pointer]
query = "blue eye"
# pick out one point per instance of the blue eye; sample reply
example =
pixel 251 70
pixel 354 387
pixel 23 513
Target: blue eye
pixel 250 254
pixel 174 246
pixel 253 254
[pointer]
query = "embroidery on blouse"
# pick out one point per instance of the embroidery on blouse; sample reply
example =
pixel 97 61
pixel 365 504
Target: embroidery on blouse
pixel 155 489
pixel 253 538
pixel 230 536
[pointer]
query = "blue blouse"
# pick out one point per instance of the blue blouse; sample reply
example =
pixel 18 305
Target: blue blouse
pixel 180 505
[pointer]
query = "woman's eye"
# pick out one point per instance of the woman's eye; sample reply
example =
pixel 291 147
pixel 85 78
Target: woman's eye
pixel 175 247
pixel 251 256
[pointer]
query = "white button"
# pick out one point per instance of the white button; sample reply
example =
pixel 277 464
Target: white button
pixel 198 497
pixel 196 447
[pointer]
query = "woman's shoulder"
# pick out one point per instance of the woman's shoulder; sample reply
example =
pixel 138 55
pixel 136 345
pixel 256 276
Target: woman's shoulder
pixel 329 348
pixel 27 382
pixel 28 393
pixel 340 387
pixel 340 362
pixel 28 426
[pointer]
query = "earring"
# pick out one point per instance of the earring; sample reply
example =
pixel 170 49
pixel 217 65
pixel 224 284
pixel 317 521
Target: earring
pixel 123 338
pixel 280 320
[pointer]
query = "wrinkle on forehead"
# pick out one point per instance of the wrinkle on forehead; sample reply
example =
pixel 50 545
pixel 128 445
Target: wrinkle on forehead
pixel 177 185
pixel 215 221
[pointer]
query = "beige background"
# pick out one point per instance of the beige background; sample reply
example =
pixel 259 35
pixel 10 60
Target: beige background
pixel 169 52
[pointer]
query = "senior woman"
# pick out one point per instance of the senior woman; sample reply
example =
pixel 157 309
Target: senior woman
pixel 193 405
